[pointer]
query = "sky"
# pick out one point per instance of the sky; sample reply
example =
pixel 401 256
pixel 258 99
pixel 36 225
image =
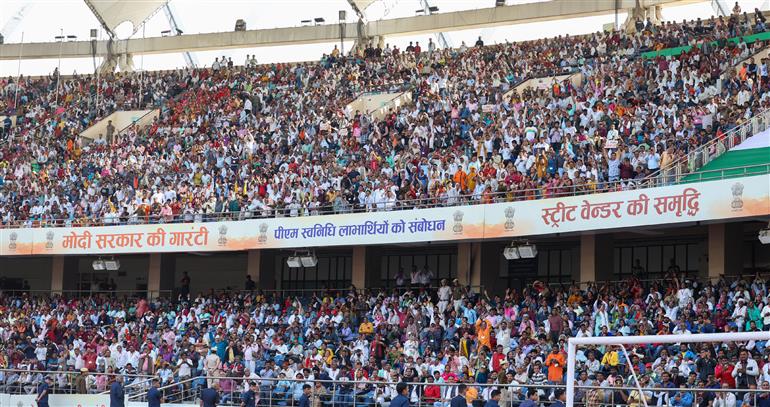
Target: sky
pixel 43 20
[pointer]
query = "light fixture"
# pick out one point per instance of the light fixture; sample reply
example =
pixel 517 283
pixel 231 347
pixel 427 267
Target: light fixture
pixel 293 262
pixel 165 33
pixel 516 251
pixel 308 260
pixel 499 3
pixel 111 264
pixel 528 251
pixel 319 20
pixel 433 9
pixel 764 235
pixel 511 253
pixel 72 37
pixel 98 265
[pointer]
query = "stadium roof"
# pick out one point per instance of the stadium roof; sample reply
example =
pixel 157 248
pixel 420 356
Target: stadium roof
pixel 40 22
pixel 112 13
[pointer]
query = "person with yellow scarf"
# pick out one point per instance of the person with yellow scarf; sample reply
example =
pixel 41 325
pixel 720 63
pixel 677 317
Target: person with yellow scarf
pixel 466 345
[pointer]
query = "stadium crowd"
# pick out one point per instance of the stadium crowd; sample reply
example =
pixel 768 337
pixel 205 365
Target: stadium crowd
pixel 275 140
pixel 366 341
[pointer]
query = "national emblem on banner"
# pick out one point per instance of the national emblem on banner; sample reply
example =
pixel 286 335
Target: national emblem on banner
pixel 458 218
pixel 509 213
pixel 222 235
pixel 262 233
pixel 49 240
pixel 13 237
pixel 737 203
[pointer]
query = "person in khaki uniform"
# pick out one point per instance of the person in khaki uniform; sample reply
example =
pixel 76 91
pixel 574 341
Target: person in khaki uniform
pixel 81 386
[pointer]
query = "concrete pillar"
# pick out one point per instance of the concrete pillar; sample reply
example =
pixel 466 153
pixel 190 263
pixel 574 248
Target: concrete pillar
pixel 260 265
pixel 463 272
pixel 587 258
pixel 57 275
pixel 476 268
pixel 597 254
pixel 153 276
pixel 358 279
pixel 724 249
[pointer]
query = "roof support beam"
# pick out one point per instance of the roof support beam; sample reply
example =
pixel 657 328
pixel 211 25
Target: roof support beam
pixel 330 33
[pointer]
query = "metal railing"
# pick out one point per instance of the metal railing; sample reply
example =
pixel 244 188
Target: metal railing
pixel 80 293
pixel 25 381
pixel 666 178
pixel 377 392
pixel 321 292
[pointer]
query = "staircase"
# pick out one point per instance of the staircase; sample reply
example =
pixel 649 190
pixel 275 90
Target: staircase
pixel 698 158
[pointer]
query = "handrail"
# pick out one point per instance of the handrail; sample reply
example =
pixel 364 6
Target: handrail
pixel 69 376
pixel 335 388
pixel 650 280
pixel 421 203
pixel 53 292
pixel 67 372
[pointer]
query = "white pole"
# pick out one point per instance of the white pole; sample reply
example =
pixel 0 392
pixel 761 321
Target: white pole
pixel 636 379
pixel 98 70
pixel 689 338
pixel 570 373
pixel 58 75
pixel 18 76
pixel 141 74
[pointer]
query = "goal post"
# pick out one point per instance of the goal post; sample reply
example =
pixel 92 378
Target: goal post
pixel 573 343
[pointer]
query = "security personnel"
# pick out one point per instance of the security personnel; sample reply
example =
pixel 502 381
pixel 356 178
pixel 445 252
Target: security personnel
pixel 210 396
pixel 42 392
pixel 250 397
pixel 117 394
pixel 304 400
pixel 154 396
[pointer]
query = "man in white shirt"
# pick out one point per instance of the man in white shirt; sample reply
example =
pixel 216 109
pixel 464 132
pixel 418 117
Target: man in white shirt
pixel 120 356
pixel 184 367
pixel 745 371
pixel 724 399
pixel 425 276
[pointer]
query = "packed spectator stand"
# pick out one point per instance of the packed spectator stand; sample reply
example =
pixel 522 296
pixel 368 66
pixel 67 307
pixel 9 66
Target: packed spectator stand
pixel 356 344
pixel 275 140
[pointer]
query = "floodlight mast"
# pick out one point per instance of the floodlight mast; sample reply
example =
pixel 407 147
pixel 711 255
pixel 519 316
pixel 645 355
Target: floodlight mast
pixel 572 344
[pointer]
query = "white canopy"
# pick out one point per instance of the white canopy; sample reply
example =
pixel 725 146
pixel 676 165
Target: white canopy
pixel 111 13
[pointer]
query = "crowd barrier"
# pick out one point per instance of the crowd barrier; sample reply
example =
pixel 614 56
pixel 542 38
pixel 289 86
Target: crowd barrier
pixel 370 393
